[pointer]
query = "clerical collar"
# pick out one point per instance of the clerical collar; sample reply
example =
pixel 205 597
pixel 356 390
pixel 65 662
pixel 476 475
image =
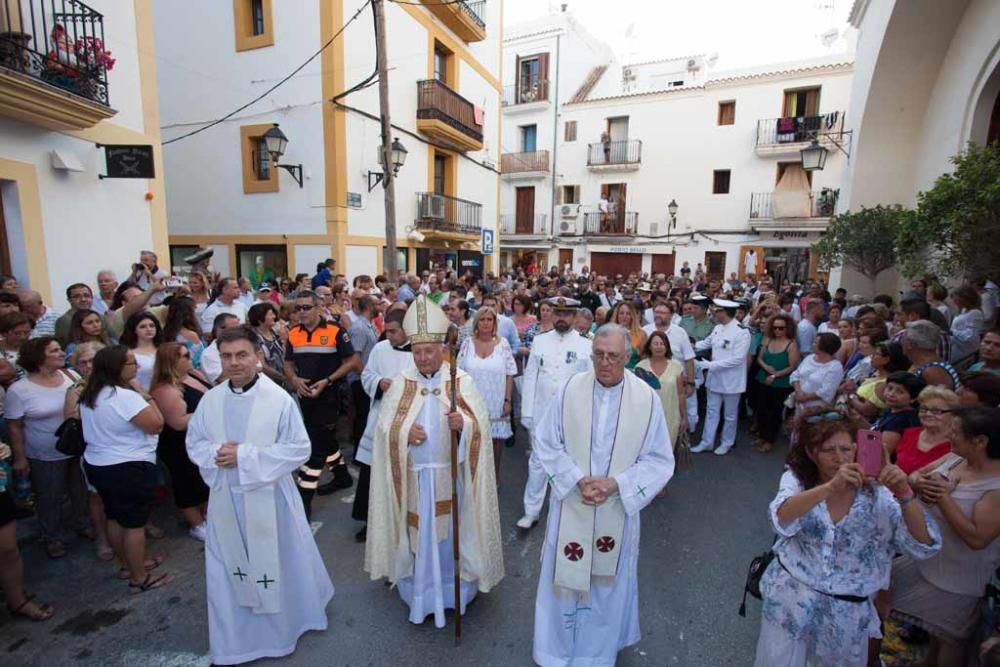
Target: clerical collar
pixel 245 388
pixel 431 376
pixel 405 347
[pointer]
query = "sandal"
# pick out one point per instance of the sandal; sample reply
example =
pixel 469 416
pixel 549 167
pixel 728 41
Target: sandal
pixel 105 553
pixel 150 565
pixel 39 611
pixel 149 583
pixel 55 549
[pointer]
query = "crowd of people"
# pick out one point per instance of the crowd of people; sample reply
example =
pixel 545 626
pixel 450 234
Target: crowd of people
pixel 915 540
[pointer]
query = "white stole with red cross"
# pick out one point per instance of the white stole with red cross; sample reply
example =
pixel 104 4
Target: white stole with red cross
pixel 590 538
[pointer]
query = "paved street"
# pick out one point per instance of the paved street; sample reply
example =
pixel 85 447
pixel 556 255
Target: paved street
pixel 696 543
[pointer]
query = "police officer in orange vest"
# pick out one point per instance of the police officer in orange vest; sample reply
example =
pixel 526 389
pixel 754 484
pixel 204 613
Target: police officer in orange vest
pixel 318 357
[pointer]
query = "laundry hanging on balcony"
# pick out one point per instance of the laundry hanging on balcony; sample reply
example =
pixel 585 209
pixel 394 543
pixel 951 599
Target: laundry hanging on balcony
pixel 791 194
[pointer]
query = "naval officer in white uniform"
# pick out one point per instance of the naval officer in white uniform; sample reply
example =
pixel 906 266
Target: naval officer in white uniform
pixel 556 356
pixel 727 375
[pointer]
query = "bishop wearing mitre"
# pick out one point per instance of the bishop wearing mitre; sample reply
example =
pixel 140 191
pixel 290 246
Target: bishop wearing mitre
pixel 410 507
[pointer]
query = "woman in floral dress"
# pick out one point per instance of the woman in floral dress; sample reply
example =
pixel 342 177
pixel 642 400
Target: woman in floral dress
pixel 837 533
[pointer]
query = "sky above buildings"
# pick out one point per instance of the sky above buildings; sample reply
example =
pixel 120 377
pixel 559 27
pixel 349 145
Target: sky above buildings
pixel 742 32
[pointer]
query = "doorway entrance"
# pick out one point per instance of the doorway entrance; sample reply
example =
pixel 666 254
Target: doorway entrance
pixel 524 216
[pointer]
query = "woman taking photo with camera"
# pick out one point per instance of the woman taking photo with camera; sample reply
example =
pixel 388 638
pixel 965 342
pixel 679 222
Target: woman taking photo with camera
pixel 837 533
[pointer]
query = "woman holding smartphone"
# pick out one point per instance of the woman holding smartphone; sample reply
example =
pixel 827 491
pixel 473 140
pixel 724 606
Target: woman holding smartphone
pixel 837 533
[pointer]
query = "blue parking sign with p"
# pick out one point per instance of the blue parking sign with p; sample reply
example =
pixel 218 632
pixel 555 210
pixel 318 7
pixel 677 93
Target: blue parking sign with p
pixel 486 241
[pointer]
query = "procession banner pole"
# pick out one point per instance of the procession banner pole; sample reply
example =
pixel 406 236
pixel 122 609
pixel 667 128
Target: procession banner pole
pixel 456 552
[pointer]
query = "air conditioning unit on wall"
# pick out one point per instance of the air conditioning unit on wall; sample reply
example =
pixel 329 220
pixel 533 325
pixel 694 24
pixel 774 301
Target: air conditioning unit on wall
pixel 567 228
pixel 570 211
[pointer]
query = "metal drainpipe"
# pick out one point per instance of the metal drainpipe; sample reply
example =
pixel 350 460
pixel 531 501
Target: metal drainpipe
pixel 555 144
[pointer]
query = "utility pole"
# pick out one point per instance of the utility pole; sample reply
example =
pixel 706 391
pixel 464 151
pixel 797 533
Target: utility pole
pixel 389 178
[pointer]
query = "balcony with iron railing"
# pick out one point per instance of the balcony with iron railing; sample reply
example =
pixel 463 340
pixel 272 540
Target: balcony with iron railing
pixel 624 223
pixel 815 207
pixel 529 164
pixel 53 64
pixel 524 225
pixel 623 155
pixel 465 18
pixel 444 216
pixel 793 133
pixel 448 117
pixel 525 92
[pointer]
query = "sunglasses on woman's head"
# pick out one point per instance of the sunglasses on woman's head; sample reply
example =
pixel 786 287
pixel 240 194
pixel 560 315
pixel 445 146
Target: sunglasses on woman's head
pixel 826 416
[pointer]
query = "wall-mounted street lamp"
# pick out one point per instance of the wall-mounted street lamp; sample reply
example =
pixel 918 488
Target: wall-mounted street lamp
pixel 276 141
pixel 672 210
pixel 814 155
pixel 398 160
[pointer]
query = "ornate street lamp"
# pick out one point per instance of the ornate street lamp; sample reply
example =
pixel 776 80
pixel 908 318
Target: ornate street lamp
pixel 399 153
pixel 814 156
pixel 276 142
pixel 672 210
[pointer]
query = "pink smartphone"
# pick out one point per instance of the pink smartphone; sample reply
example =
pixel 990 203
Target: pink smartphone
pixel 870 452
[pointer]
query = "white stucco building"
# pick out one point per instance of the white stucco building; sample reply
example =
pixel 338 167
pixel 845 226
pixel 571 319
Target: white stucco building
pixel 444 64
pixel 724 145
pixel 59 222
pixel 926 83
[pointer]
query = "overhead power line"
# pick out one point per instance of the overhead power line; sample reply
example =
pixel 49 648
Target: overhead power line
pixel 275 86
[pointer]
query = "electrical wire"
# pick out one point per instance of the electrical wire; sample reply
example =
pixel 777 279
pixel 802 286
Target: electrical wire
pixel 278 84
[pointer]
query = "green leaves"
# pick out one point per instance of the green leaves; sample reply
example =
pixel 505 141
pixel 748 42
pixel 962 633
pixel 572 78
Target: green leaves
pixel 956 222
pixel 864 240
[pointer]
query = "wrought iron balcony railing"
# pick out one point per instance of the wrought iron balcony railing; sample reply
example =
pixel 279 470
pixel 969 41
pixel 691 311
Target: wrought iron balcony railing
pixel 526 91
pixel 448 214
pixel 622 223
pixel 797 129
pixel 610 153
pixel 58 42
pixel 816 204
pixel 511 223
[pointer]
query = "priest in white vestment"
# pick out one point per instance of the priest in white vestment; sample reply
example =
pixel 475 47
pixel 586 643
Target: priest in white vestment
pixel 409 538
pixel 267 584
pixel 606 450
pixel 387 360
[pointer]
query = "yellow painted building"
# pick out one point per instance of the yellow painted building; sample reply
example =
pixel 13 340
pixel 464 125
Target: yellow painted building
pixel 226 190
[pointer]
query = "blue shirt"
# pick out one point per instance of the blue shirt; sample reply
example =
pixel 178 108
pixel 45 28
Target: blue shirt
pixel 508 331
pixel 321 278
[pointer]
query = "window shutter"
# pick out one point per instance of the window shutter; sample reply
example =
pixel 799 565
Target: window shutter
pixel 543 76
pixel 559 195
pixel 569 131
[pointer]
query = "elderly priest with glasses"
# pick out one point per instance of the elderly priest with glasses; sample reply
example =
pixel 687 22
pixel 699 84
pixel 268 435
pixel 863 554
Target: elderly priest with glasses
pixel 605 448
pixel 410 529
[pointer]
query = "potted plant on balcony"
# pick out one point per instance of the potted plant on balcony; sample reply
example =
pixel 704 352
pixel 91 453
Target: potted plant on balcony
pixel 94 62
pixel 77 66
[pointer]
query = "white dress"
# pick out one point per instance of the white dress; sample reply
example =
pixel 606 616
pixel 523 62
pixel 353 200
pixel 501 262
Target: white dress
pixel 490 376
pixel 570 629
pixel 431 589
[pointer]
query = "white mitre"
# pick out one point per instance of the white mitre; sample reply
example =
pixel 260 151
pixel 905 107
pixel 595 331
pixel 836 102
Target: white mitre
pixel 425 322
